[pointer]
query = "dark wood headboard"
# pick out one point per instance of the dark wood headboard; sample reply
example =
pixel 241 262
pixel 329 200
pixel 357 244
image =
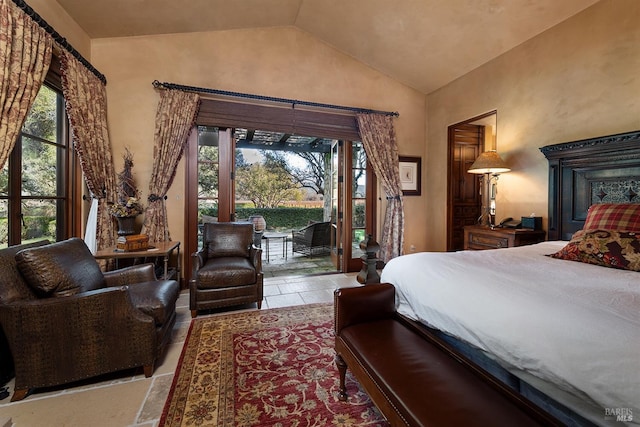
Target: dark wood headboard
pixel 596 170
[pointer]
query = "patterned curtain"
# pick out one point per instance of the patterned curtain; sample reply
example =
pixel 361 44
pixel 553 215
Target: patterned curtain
pixel 86 105
pixel 24 62
pixel 379 140
pixel 175 118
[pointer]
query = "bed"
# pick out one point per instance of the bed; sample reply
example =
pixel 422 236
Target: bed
pixel 565 334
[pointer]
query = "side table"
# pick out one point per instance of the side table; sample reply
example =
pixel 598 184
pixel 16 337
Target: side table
pixel 273 236
pixel 479 238
pixel 157 250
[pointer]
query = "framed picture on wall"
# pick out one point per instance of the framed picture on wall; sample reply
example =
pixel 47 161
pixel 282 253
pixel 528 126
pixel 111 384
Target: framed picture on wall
pixel 410 175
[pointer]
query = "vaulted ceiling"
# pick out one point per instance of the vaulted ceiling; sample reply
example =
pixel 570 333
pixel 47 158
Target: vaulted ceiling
pixel 424 44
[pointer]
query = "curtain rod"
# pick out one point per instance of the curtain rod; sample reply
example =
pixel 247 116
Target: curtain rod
pixel 58 38
pixel 294 102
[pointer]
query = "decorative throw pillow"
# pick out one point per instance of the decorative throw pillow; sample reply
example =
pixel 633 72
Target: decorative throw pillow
pixel 608 248
pixel 60 269
pixel 610 216
pixel 12 285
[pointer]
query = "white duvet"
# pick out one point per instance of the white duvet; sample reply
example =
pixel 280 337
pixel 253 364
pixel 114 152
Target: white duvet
pixel 572 324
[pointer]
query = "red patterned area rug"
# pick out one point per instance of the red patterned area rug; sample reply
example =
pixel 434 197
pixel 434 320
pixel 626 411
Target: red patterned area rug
pixel 264 368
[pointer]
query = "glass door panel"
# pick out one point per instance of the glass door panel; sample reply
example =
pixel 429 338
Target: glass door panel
pixel 208 177
pixel 356 194
pixel 335 192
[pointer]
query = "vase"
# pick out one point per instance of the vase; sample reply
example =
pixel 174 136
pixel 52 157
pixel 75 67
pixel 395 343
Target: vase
pixel 126 225
pixel 259 223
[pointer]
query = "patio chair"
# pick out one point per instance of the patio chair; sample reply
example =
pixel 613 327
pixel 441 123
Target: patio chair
pixel 314 239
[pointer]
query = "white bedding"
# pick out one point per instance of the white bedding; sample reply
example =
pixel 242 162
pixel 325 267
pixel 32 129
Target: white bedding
pixel 573 324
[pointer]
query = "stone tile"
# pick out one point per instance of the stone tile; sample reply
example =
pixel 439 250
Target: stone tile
pixel 156 397
pixel 287 300
pixel 269 290
pixel 320 296
pixel 115 405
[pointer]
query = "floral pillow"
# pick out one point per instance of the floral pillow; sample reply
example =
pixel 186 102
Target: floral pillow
pixel 608 248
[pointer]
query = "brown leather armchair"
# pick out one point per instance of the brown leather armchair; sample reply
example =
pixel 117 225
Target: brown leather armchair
pixel 227 271
pixel 65 320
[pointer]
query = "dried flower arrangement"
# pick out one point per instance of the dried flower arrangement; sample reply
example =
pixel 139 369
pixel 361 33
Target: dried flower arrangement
pixel 128 204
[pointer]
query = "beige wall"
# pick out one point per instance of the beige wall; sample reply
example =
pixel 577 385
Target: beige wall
pixel 577 80
pixel 60 20
pixel 280 62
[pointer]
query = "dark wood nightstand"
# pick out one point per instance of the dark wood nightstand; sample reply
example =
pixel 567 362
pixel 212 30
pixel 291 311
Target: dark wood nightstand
pixel 479 238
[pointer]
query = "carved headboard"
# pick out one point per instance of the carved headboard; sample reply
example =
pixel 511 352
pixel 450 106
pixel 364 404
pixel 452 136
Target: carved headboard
pixel 596 170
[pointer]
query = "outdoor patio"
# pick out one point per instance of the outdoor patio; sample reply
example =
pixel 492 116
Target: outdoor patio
pixel 284 262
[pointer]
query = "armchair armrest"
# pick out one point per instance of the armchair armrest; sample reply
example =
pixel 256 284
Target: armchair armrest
pixel 363 304
pixel 130 275
pixel 197 260
pixel 255 254
pixel 304 232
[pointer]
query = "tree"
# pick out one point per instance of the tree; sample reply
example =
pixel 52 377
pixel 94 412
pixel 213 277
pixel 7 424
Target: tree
pixel 267 185
pixel 312 176
pixel 208 171
pixel 39 163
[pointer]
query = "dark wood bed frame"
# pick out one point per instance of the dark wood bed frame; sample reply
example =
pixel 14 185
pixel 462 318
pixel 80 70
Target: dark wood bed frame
pixel 596 170
pixel 581 173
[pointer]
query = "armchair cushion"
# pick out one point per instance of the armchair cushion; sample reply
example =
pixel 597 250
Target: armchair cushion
pixel 226 272
pixel 13 287
pixel 60 269
pixel 228 239
pixel 156 299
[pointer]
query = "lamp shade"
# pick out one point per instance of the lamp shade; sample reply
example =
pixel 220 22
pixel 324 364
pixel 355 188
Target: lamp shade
pixel 489 162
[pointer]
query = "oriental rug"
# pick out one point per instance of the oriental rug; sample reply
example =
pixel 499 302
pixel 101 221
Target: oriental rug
pixel 264 368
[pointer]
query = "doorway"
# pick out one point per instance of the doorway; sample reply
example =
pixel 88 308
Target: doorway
pixel 218 160
pixel 466 140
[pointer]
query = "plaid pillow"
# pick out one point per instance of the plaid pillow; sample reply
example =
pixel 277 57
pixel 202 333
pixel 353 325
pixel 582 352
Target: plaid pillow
pixel 608 248
pixel 609 216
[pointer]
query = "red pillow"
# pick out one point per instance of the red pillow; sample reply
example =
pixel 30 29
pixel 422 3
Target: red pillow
pixel 610 216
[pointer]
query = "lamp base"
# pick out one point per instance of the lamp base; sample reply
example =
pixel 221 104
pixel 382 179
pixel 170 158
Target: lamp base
pixel 486 219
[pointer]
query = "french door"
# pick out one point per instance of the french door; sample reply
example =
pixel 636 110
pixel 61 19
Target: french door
pixel 353 195
pixel 211 158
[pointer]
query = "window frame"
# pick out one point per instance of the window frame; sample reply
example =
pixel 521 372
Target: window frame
pixel 67 175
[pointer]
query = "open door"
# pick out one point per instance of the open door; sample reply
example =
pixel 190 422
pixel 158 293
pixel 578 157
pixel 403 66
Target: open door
pixel 349 185
pixel 466 141
pixel 337 211
pixel 353 198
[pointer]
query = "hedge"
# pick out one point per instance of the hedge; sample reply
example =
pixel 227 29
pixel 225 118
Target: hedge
pixel 276 218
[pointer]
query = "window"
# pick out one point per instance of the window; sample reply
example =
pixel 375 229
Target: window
pixel 35 183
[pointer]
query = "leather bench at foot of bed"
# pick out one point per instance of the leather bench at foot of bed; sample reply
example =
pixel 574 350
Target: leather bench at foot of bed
pixel 414 378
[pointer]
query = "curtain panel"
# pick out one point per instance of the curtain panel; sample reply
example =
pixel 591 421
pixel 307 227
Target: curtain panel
pixel 86 105
pixel 175 118
pixel 26 55
pixel 379 139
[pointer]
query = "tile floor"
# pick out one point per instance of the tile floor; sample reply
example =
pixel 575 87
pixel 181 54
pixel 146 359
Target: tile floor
pixel 130 399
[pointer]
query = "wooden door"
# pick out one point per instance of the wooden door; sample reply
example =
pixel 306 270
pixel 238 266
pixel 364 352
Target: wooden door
pixel 465 144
